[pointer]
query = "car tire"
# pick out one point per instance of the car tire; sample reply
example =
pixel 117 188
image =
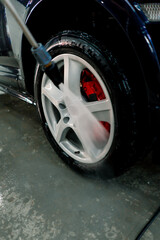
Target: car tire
pixel 81 56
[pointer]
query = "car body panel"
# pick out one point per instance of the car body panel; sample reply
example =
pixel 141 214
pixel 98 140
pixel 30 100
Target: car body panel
pixel 133 23
pixel 128 16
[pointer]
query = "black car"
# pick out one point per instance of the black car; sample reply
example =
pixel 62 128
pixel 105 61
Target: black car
pixel 107 53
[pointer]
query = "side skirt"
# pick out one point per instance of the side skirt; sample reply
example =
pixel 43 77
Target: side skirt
pixel 20 95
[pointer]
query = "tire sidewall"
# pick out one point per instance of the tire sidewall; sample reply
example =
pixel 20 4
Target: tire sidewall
pixel 106 66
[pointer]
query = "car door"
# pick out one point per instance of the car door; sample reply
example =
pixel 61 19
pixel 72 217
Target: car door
pixel 9 66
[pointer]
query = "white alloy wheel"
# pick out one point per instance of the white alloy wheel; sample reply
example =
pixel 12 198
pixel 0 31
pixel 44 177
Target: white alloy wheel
pixel 60 123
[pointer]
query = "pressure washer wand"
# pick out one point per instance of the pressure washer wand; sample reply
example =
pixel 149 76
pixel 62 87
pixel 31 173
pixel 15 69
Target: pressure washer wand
pixel 38 50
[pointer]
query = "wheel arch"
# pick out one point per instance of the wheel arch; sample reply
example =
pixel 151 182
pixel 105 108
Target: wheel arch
pixel 99 22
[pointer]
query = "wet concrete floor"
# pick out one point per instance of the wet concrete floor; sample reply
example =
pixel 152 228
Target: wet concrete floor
pixel 43 199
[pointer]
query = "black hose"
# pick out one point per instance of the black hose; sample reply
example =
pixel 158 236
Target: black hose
pixel 148 224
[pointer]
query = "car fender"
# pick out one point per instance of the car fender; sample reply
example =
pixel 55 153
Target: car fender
pixel 133 23
pixel 127 17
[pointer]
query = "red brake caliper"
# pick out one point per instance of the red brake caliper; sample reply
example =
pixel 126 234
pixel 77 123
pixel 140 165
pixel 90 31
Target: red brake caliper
pixel 93 90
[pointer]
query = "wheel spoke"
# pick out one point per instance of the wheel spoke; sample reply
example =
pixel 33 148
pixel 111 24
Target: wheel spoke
pixel 101 109
pixel 54 95
pixel 65 122
pixel 61 130
pixel 91 158
pixel 72 74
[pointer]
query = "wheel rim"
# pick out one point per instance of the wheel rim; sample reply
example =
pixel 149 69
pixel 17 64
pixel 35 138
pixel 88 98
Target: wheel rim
pixel 56 114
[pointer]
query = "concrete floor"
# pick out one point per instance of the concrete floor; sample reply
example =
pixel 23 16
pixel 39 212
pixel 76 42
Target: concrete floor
pixel 42 199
